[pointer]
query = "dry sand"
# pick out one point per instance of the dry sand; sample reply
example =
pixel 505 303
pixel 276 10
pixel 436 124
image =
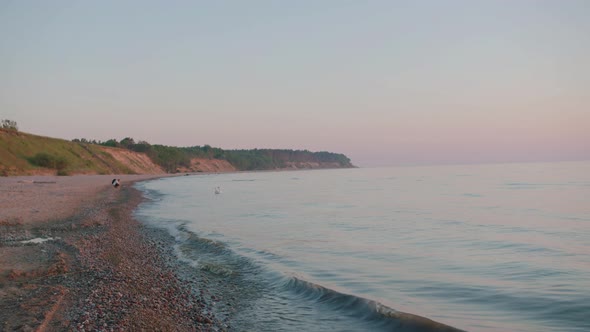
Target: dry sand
pixel 39 199
pixel 73 258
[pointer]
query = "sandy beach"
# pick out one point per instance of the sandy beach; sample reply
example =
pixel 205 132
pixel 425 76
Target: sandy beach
pixel 73 258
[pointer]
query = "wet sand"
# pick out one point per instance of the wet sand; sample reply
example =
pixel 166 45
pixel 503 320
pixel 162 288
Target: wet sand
pixel 72 257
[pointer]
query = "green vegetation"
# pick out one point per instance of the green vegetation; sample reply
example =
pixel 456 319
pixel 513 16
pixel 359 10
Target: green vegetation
pixel 43 159
pixel 171 158
pixel 22 153
pixel 261 159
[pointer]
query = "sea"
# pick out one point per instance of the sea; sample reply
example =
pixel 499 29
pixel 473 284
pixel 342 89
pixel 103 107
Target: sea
pixel 498 247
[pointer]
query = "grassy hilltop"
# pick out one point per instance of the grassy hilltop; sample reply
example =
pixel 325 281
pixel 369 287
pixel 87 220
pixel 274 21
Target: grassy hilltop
pixel 28 154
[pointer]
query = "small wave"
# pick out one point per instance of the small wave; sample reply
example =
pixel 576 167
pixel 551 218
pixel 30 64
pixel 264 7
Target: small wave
pixel 471 195
pixel 528 185
pixel 210 255
pixel 376 314
pixel 217 269
pixel 522 185
pixel 218 260
pixel 550 309
pixel 192 247
pixel 150 194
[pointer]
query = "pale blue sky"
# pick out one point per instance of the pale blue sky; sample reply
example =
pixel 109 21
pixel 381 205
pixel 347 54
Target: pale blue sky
pixel 385 82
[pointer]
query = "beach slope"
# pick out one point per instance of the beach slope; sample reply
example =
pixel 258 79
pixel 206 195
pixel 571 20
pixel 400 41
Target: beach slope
pixel 73 258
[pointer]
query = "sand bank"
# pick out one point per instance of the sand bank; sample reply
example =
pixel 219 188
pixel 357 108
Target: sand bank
pixel 90 266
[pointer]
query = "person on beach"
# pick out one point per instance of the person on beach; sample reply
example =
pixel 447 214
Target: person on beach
pixel 116 183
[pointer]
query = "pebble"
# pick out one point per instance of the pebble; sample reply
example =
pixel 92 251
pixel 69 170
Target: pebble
pixel 129 274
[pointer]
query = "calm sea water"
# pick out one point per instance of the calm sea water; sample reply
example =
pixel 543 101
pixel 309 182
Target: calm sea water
pixel 481 248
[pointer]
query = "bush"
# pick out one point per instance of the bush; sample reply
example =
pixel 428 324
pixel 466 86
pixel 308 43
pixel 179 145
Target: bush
pixel 43 159
pixel 9 124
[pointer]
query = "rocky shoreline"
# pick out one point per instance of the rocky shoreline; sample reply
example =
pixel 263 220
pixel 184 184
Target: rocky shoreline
pixel 98 270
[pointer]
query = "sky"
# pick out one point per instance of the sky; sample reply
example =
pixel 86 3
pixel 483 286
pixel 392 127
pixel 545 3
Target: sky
pixel 384 82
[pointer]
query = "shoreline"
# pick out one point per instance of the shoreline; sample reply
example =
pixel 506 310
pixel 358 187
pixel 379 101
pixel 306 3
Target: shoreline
pixel 98 268
pixel 101 269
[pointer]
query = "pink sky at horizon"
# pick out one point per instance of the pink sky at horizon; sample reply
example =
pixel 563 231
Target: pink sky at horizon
pixel 386 83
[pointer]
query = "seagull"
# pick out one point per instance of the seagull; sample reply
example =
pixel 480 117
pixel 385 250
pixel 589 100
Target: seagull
pixel 217 190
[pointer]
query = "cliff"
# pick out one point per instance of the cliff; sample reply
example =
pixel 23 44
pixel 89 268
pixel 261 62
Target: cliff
pixel 28 154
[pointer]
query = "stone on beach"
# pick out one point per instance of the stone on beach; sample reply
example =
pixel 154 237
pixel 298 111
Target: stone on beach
pixel 101 271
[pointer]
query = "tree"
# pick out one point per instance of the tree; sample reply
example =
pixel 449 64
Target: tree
pixel 112 143
pixel 9 124
pixel 127 142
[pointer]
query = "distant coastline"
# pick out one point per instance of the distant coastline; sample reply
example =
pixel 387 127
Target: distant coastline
pixel 29 154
